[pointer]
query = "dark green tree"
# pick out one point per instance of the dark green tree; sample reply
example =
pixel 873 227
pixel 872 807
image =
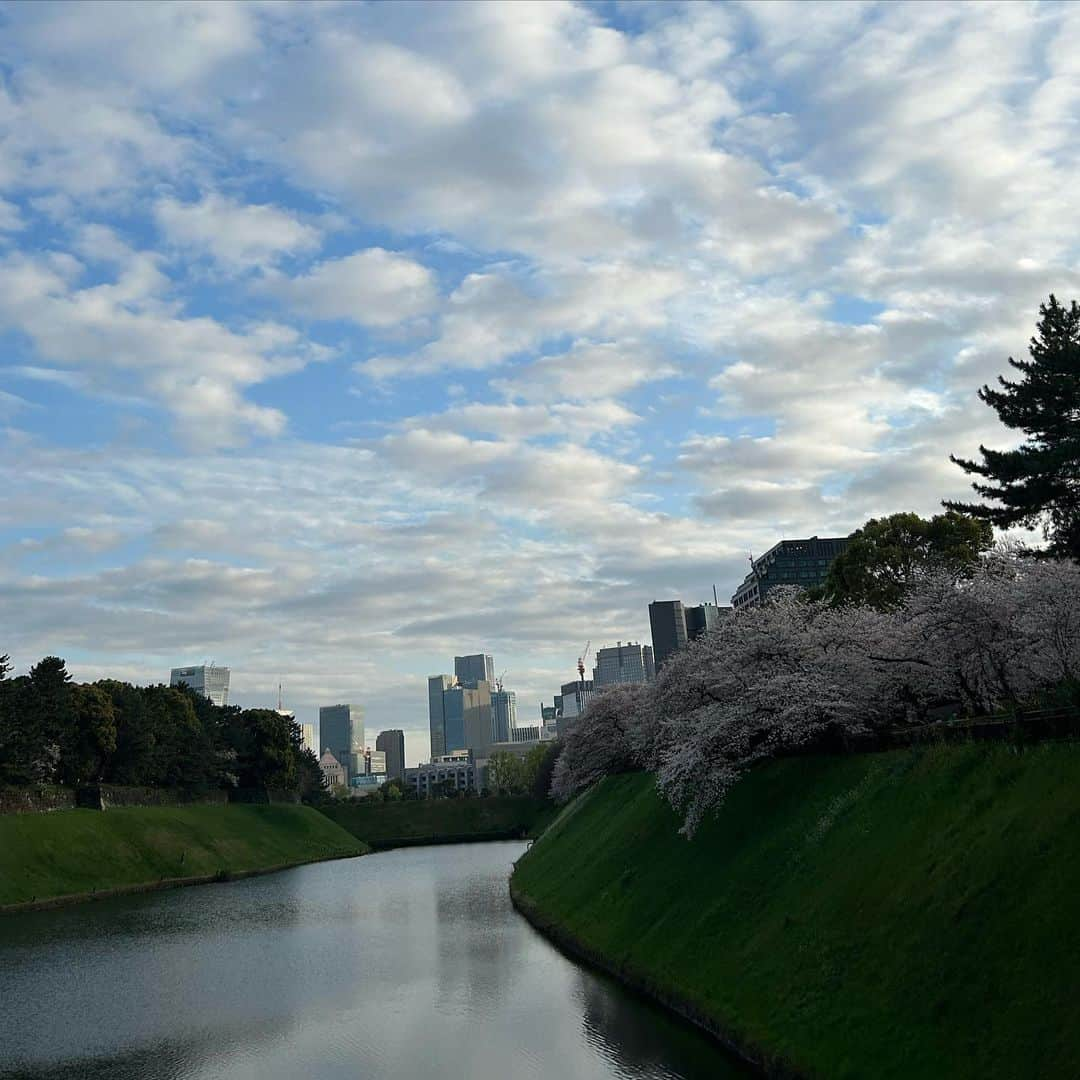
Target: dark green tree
pixel 506 773
pixel 88 742
pixel 1037 484
pixel 541 782
pixel 48 714
pixel 887 556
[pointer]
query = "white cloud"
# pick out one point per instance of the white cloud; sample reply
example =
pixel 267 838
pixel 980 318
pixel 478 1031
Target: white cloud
pixel 588 371
pixel 126 335
pixel 239 235
pixel 374 287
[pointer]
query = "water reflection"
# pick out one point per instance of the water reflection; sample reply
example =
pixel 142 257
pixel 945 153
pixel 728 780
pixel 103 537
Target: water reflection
pixel 399 965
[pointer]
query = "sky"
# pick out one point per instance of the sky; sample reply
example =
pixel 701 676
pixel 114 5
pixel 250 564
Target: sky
pixel 340 339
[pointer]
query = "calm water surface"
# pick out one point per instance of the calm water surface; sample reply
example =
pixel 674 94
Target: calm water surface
pixel 402 965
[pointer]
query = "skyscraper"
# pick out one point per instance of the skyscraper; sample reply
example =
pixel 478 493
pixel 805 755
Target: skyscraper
pixel 503 715
pixel 341 731
pixel 470 670
pixel 437 687
pixel 629 663
pixel 206 679
pixel 667 620
pixel 392 744
pixel 467 712
pixel 674 625
pixel 459 716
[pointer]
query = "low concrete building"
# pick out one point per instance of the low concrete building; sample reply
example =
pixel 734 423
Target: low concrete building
pixel 363 785
pixel 453 772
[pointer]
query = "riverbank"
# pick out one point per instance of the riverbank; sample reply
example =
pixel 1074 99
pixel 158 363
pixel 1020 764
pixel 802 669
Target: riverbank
pixel 904 914
pixel 441 821
pixel 72 855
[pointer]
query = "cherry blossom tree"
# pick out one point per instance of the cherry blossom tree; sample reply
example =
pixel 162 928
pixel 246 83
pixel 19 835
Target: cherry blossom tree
pixel 794 673
pixel 604 740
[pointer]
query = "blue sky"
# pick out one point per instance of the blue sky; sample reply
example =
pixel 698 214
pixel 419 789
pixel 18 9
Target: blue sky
pixel 338 339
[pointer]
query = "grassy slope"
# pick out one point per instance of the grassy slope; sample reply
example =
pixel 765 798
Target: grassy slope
pixel 910 914
pixel 74 851
pixel 434 820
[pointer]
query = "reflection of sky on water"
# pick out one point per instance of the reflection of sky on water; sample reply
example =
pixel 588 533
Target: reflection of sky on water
pixel 405 964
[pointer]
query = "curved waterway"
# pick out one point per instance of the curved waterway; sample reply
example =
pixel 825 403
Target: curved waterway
pixel 398 966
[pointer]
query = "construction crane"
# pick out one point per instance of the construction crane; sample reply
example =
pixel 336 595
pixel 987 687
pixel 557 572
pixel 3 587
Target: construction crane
pixel 499 681
pixel 581 660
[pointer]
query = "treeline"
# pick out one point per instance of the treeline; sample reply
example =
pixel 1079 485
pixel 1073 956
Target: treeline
pixel 55 731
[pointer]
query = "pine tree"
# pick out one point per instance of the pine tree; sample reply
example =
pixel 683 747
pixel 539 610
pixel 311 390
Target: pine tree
pixel 1039 482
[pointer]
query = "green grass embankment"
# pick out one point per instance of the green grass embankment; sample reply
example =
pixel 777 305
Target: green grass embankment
pixel 440 821
pixel 71 853
pixel 906 914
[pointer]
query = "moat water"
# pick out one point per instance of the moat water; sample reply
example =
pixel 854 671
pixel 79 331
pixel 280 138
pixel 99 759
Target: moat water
pixel 405 965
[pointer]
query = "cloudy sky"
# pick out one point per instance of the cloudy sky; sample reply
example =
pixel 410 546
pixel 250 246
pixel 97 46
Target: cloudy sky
pixel 338 339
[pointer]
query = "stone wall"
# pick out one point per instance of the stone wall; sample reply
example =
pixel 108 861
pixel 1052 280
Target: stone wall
pixel 35 800
pixel 100 797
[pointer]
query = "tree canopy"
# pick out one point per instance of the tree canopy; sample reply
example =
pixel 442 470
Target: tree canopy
pixel 887 556
pixel 55 731
pixel 1038 483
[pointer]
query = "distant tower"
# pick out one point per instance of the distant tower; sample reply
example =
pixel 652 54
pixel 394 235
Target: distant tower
pixel 392 744
pixel 341 731
pixel 206 679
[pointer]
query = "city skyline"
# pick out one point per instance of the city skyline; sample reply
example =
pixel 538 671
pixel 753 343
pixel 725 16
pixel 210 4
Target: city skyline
pixel 328 348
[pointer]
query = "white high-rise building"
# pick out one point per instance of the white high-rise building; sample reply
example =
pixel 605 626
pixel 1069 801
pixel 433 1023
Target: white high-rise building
pixel 206 679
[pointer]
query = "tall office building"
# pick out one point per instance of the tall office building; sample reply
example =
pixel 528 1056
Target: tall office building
pixel 478 668
pixel 437 687
pixel 468 718
pixel 341 731
pixel 701 619
pixel 573 697
pixel 629 663
pixel 503 715
pixel 307 731
pixel 459 716
pixel 206 679
pixel 802 563
pixel 674 625
pixel 667 620
pixel 392 744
